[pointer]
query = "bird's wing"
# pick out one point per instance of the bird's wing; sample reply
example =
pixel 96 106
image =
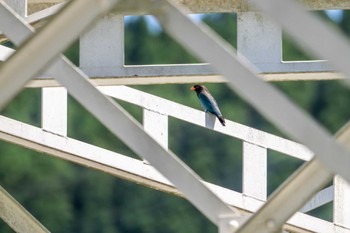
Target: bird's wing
pixel 209 104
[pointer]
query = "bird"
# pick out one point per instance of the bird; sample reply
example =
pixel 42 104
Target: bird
pixel 208 102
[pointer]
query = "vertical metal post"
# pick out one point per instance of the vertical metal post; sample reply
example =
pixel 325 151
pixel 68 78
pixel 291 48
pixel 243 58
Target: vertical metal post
pixel 102 48
pixel 156 125
pixel 54 109
pixel 259 39
pixel 210 120
pixel 341 212
pixel 254 171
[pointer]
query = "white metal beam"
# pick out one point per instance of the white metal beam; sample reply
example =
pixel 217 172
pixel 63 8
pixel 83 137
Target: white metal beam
pixel 13 79
pixel 47 81
pixel 20 6
pixel 212 6
pixel 322 197
pixel 156 125
pixel 54 109
pixel 254 171
pixel 341 205
pixel 341 208
pixel 132 134
pixel 102 47
pixel 46 13
pixel 264 97
pixel 265 51
pixel 281 112
pixel 158 74
pixel 5 52
pixel 128 130
pixel 233 129
pixel 302 26
pixel 313 175
pixel 284 202
pixel 16 216
pixel 130 169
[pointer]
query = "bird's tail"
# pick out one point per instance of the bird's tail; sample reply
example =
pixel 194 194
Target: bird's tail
pixel 222 120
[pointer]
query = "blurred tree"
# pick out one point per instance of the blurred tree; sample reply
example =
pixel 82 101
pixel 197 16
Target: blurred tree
pixel 71 198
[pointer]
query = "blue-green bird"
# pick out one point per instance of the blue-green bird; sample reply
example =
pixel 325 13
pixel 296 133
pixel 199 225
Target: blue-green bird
pixel 208 102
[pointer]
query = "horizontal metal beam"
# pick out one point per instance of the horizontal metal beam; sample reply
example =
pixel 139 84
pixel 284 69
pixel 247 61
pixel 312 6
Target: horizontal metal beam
pixel 233 129
pixel 314 174
pixel 203 69
pixel 13 79
pixel 130 132
pixel 180 73
pixel 301 26
pixel 284 202
pixel 210 6
pixel 269 101
pixel 150 80
pixel 274 106
pixel 130 169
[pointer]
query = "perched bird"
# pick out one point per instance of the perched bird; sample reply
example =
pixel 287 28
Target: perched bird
pixel 208 102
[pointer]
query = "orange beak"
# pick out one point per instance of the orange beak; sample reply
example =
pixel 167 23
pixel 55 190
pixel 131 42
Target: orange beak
pixel 192 88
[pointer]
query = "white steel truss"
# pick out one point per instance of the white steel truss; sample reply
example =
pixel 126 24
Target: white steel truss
pixel 240 74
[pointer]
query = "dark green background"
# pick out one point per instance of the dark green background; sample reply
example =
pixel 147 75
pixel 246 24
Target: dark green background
pixel 70 198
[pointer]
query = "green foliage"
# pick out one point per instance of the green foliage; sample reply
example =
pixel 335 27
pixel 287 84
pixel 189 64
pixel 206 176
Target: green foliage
pixel 70 198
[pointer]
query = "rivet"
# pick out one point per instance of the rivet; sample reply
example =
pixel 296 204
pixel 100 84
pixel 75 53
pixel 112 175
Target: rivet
pixel 270 223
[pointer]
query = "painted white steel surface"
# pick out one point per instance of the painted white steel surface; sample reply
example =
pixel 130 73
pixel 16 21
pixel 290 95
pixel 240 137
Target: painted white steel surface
pixel 254 171
pixel 45 13
pixel 197 117
pixel 20 6
pixel 132 134
pixel 288 198
pixel 322 197
pixel 259 39
pixel 128 168
pixel 212 6
pixel 156 125
pixel 281 196
pixel 265 98
pixel 102 47
pixel 341 210
pixel 12 79
pixel 5 52
pixel 54 109
pixel 16 216
pixel 302 26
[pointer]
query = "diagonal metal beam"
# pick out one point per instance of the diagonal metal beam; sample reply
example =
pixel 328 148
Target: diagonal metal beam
pixel 288 199
pixel 282 205
pixel 129 169
pixel 312 33
pixel 18 69
pixel 273 105
pixel 264 97
pixel 130 131
pixel 5 52
pixel 16 216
